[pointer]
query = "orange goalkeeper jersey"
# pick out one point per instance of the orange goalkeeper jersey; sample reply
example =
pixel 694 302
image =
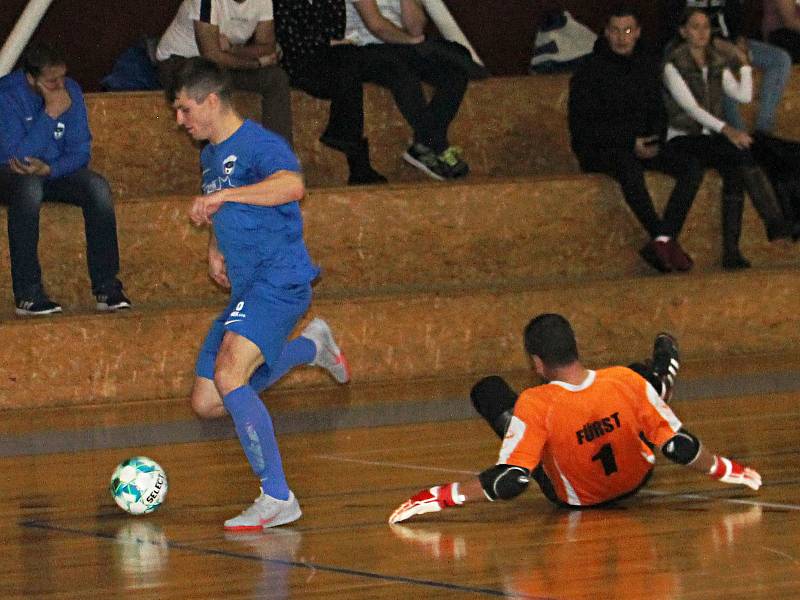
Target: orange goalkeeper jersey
pixel 587 436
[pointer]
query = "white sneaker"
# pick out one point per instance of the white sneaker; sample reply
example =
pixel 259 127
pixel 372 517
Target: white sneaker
pixel 328 355
pixel 265 512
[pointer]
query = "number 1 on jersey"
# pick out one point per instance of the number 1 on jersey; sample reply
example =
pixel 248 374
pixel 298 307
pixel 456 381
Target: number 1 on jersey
pixel 606 458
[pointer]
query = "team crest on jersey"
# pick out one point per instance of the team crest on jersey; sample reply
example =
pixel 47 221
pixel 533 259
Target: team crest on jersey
pixel 59 130
pixel 229 164
pixel 228 167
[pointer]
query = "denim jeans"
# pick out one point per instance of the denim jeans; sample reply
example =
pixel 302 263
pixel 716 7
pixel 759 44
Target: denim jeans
pixel 24 194
pixel 775 65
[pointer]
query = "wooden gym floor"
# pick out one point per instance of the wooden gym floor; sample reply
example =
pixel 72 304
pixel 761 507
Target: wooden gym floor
pixel 684 536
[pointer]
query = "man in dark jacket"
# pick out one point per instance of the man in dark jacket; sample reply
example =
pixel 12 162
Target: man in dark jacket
pixel 617 121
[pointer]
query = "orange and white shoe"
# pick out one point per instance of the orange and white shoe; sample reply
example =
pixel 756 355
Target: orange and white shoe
pixel 328 355
pixel 266 512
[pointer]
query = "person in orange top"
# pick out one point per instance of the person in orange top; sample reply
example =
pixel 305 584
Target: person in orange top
pixel 586 437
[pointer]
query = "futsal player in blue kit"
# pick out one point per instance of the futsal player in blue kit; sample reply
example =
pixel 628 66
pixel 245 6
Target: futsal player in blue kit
pixel 251 188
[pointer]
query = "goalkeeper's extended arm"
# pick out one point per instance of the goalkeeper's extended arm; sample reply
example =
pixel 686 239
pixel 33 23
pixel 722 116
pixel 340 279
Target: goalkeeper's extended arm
pixel 500 482
pixel 684 448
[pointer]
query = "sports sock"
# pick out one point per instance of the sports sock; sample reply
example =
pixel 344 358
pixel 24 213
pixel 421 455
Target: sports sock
pixel 254 428
pixel 300 351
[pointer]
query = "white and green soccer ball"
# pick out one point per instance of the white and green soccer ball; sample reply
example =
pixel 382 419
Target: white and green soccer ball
pixel 138 485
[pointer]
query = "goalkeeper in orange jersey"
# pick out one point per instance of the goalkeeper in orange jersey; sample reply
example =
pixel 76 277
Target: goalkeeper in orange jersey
pixel 586 437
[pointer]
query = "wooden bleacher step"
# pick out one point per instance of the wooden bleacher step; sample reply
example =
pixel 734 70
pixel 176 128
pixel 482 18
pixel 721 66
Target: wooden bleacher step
pixel 507 126
pixel 394 239
pixel 513 126
pixel 149 354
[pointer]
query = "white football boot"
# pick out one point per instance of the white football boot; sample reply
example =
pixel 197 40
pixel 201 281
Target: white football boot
pixel 266 512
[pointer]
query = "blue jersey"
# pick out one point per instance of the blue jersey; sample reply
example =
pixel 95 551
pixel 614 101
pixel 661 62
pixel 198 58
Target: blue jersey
pixel 27 130
pixel 264 242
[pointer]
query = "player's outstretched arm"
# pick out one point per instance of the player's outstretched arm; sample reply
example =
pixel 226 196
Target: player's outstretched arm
pixel 437 498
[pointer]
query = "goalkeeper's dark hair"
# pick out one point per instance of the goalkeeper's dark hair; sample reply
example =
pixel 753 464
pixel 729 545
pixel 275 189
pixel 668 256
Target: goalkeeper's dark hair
pixel 199 77
pixel 37 57
pixel 550 337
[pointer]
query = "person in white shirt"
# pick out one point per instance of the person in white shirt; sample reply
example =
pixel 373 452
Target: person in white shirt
pixel 238 35
pixel 395 54
pixel 697 74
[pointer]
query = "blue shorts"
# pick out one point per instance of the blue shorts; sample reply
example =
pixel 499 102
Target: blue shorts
pixel 262 313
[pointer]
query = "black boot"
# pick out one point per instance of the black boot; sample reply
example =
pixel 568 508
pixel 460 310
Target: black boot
pixel 766 204
pixel 732 209
pixel 361 171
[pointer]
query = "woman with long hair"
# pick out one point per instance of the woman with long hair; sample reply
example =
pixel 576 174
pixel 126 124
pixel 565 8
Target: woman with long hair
pixel 697 74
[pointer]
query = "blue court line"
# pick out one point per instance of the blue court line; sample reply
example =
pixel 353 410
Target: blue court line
pixel 303 565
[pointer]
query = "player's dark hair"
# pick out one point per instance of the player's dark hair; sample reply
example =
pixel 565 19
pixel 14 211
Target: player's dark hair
pixel 199 77
pixel 37 57
pixel 624 9
pixel 550 337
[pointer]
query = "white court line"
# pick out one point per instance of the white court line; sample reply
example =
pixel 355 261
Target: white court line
pixel 779 553
pixel 726 500
pixel 667 495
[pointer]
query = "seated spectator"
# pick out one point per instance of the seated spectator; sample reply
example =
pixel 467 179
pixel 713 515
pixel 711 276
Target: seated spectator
pixel 781 25
pixel 697 74
pixel 726 17
pixel 616 122
pixel 310 36
pixel 238 35
pixel 45 147
pixel 395 54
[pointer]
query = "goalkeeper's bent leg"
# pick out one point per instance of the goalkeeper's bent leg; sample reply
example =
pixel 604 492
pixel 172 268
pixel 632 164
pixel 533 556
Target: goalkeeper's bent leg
pixel 494 400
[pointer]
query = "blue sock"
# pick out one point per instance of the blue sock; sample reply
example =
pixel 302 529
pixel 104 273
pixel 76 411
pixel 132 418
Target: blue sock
pixel 300 351
pixel 254 428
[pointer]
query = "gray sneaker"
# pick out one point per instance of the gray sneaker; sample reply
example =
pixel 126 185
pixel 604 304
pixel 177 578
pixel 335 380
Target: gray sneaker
pixel 328 356
pixel 266 512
